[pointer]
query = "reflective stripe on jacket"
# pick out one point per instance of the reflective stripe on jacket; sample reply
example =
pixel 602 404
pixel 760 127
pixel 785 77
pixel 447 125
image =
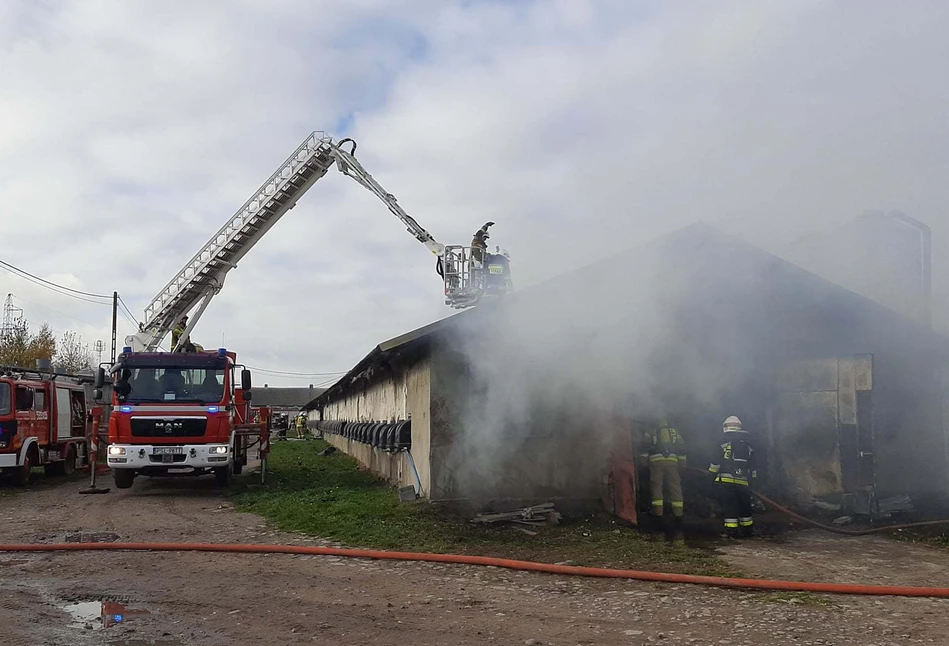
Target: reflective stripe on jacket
pixel 666 445
pixel 736 463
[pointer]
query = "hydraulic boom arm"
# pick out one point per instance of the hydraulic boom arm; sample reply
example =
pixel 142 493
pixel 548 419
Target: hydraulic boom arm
pixel 203 276
pixel 347 165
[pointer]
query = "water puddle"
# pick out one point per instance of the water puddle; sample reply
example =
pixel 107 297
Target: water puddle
pixel 86 613
pixel 96 615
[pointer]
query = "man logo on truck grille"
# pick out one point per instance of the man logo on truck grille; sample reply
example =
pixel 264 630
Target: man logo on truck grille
pixel 169 427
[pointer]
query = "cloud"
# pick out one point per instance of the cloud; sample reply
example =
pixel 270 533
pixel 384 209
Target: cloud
pixel 129 132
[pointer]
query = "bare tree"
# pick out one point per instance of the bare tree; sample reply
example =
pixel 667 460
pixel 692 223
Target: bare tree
pixel 72 355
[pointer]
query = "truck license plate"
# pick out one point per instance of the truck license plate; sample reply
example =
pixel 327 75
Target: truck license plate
pixel 167 450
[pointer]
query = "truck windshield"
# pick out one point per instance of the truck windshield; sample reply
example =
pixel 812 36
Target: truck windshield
pixel 172 384
pixel 4 398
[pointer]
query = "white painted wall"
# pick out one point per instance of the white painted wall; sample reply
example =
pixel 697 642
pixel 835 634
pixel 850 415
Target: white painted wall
pixel 405 395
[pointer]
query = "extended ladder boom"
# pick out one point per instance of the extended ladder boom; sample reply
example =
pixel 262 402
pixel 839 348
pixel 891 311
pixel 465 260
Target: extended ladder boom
pixel 347 165
pixel 203 276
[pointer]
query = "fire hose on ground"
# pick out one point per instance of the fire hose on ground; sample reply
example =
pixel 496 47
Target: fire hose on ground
pixel 846 532
pixel 527 566
pixel 831 528
pixel 532 566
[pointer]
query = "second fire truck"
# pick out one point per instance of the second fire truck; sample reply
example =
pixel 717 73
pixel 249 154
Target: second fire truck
pixel 43 422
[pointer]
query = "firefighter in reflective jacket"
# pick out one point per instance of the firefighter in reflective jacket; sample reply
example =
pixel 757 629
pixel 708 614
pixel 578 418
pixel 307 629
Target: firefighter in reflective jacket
pixel 665 451
pixel 479 243
pixel 732 476
pixel 178 332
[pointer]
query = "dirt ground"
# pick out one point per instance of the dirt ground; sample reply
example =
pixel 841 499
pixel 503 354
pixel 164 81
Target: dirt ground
pixel 252 599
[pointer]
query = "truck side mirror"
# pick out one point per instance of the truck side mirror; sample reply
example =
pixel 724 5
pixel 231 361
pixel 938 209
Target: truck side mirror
pixel 122 388
pixel 97 395
pixel 245 380
pixel 100 378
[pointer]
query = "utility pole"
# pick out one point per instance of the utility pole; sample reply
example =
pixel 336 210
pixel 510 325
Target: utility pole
pixel 115 321
pixel 11 314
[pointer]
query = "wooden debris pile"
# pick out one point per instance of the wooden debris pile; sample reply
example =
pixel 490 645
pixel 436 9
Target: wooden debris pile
pixel 537 515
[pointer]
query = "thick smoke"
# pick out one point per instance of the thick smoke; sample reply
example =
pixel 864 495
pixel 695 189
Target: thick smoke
pixel 555 371
pixel 695 328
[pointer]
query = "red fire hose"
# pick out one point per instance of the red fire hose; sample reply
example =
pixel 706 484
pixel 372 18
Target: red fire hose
pixel 528 566
pixel 831 528
pixel 846 532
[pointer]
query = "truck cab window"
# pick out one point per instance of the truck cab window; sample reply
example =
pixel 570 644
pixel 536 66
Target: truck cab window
pixel 24 398
pixel 5 398
pixel 39 400
pixel 171 384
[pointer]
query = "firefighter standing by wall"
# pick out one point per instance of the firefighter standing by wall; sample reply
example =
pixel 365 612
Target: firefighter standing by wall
pixel 301 426
pixel 732 476
pixel 664 451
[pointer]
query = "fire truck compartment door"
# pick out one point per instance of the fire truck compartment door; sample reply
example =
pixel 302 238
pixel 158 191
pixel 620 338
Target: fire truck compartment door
pixel 63 414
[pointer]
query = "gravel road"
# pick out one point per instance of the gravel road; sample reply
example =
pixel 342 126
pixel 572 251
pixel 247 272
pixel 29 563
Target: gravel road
pixel 210 599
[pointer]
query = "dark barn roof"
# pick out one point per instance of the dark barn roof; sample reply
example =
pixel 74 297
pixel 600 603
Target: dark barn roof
pixel 710 262
pixel 284 397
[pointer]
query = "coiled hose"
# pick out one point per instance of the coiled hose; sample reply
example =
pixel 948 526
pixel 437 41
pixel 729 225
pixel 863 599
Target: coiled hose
pixel 527 566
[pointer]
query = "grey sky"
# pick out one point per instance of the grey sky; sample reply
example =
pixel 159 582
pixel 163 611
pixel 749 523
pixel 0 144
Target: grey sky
pixel 129 131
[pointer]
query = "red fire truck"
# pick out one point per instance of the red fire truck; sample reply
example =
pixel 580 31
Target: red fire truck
pixel 43 422
pixel 182 411
pixel 176 413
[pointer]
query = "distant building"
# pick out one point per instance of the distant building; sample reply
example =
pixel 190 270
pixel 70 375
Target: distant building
pixel 285 398
pixel 885 257
pixel 541 397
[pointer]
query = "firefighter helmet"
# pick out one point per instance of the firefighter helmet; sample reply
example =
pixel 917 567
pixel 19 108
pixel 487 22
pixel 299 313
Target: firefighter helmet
pixel 732 425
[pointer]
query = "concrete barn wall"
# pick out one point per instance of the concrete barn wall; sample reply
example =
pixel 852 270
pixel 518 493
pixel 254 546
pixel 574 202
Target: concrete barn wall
pixel 404 395
pixel 560 453
pixel 909 432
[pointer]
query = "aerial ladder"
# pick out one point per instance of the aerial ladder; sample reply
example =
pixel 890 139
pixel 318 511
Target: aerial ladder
pixel 467 279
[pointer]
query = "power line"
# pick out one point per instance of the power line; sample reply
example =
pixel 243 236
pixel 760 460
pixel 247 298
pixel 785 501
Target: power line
pixel 299 374
pixel 129 319
pixel 122 303
pixel 321 384
pixel 129 312
pixel 51 310
pixel 67 291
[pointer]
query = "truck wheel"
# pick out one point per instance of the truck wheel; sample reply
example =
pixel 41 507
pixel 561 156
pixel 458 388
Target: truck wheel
pixel 69 464
pixel 22 476
pixel 238 466
pixel 223 476
pixel 123 478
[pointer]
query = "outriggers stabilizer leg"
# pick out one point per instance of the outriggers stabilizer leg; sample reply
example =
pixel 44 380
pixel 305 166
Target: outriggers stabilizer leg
pixel 93 458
